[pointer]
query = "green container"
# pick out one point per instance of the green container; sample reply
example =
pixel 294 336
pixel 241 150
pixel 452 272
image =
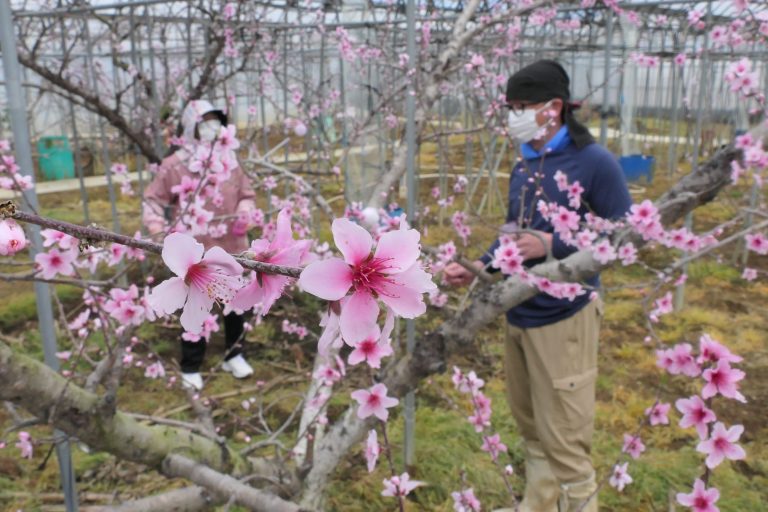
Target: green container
pixel 56 159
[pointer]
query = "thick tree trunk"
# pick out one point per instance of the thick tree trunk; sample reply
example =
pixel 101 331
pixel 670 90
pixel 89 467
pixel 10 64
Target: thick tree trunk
pixel 46 394
pixel 226 486
pixel 189 499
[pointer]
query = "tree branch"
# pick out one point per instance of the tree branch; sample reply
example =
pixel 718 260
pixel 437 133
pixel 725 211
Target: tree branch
pixel 244 495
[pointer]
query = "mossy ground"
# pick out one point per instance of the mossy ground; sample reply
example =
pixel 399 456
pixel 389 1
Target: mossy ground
pixel 447 456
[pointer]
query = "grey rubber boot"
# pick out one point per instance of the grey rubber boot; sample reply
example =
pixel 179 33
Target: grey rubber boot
pixel 542 489
pixel 574 496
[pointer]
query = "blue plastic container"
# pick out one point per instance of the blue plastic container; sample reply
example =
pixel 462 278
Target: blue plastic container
pixel 637 166
pixel 56 159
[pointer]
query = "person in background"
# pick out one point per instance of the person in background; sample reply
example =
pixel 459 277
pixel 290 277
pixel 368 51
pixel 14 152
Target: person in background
pixel 550 358
pixel 202 123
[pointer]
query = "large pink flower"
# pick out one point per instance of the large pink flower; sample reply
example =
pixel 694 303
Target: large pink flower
pixel 724 380
pixel 265 289
pixel 374 402
pixel 722 445
pixel 56 262
pixel 392 273
pixel 695 414
pixel 12 238
pixel 202 280
pixel 701 499
pixel 375 346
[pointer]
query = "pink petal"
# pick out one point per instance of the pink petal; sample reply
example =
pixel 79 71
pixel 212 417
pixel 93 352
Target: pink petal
pixel 735 452
pixel 196 310
pixel 273 290
pixel 218 257
pixel 358 316
pixel 283 234
pixel 248 296
pixel 168 296
pixel 361 396
pixel 353 241
pixel 734 433
pixel 328 279
pixel 404 292
pixel 400 248
pixel 180 252
pixel 355 357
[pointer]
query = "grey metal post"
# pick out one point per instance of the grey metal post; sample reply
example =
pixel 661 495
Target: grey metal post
pixel 410 140
pixel 91 76
pixel 17 111
pixel 76 140
pixel 676 72
pixel 136 151
pixel 344 134
pixel 703 81
pixel 606 74
pixel 153 74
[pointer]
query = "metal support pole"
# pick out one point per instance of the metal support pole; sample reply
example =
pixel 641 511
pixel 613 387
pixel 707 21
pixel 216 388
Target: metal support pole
pixel 703 80
pixel 76 139
pixel 91 77
pixel 17 112
pixel 606 80
pixel 410 140
pixel 677 75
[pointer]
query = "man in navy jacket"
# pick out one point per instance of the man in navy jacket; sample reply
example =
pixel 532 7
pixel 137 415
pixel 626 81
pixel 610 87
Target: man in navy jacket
pixel 551 347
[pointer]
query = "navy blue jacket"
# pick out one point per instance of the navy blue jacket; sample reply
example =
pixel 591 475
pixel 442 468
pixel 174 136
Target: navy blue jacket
pixel 605 191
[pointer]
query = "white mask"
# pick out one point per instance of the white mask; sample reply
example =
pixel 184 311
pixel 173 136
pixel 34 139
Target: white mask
pixel 209 130
pixel 523 126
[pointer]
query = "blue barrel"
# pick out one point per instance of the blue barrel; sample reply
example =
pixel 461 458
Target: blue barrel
pixel 637 166
pixel 56 159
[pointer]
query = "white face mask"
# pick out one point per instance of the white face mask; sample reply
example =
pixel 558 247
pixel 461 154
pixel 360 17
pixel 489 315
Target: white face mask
pixel 523 126
pixel 209 130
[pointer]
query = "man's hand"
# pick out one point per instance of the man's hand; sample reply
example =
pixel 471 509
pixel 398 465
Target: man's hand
pixel 532 246
pixel 456 275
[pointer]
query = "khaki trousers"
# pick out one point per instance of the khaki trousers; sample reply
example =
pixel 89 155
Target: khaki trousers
pixel 551 373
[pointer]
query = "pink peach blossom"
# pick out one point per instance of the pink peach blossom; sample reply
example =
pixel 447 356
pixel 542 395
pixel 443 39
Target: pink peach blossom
pixel 202 279
pixel 399 486
pixel 371 350
pixel 619 477
pixel 372 450
pixel 392 274
pixel 724 380
pixel 465 501
pixel 758 243
pixel 265 289
pixel 695 414
pixel 25 444
pixel 722 445
pixel 56 262
pixel 374 402
pixel 701 499
pixel 710 351
pixel 633 446
pixel 493 445
pixel 12 238
pixel 658 414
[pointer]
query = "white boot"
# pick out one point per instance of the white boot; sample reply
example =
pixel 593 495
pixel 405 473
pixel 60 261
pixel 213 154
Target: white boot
pixel 542 489
pixel 574 496
pixel 238 367
pixel 192 381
